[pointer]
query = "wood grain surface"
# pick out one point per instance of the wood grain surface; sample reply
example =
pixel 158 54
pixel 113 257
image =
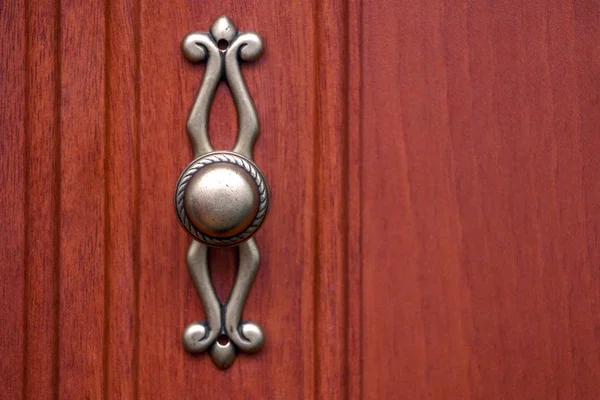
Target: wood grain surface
pixel 42 216
pixel 435 202
pixel 13 172
pixel 480 200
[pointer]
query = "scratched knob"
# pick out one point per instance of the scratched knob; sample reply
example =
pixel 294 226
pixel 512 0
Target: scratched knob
pixel 221 198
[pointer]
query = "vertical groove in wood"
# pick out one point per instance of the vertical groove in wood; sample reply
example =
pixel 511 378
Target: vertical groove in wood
pixel 57 217
pixel 308 152
pixel 42 146
pixel 58 190
pixel 354 198
pixel 344 272
pixel 26 195
pixel 136 200
pixel 122 172
pixel 121 187
pixel 108 214
pixel 82 313
pixel 331 290
pixel 315 382
pixel 12 197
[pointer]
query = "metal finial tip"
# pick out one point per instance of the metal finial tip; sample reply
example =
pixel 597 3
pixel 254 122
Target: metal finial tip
pixel 223 29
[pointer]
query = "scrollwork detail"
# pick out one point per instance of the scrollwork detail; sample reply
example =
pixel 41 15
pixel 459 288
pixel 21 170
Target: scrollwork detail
pixel 222 48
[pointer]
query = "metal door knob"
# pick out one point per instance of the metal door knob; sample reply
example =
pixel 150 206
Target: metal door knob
pixel 221 197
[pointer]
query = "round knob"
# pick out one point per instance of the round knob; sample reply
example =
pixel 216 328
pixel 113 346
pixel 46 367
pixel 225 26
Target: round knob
pixel 221 198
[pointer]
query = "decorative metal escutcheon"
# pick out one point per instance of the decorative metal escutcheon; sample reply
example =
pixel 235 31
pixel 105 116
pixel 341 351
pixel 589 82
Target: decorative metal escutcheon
pixel 221 197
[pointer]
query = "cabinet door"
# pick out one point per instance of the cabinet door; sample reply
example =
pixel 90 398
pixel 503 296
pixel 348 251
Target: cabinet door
pixel 434 217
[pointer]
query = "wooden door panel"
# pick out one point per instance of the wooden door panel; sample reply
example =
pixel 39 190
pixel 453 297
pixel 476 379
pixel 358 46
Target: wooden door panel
pixel 41 152
pixel 281 299
pixel 12 178
pixel 434 211
pixel 83 276
pixel 480 207
pixel 122 169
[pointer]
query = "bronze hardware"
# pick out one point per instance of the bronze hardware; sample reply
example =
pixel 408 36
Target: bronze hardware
pixel 221 198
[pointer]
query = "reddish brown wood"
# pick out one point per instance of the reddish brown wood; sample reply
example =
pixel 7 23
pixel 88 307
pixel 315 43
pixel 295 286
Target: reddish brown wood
pixel 353 196
pixel 331 177
pixel 122 189
pixel 83 200
pixel 163 152
pixel 12 195
pixel 480 212
pixel 42 202
pixel 435 203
